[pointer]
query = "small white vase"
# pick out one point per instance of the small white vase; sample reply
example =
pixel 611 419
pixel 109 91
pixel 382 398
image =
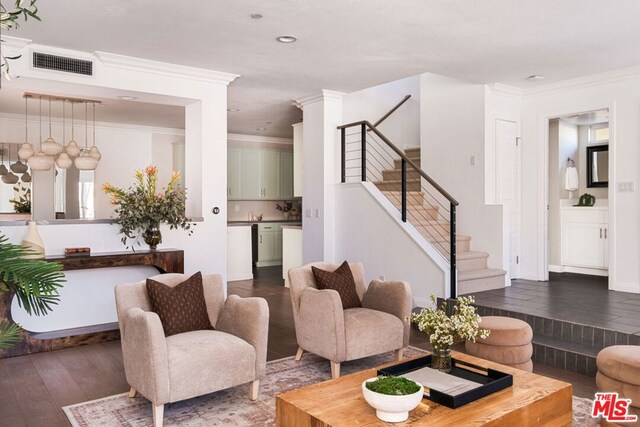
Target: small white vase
pixel 33 241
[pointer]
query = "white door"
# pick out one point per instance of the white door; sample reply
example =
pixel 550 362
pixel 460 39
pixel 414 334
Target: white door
pixel 251 182
pixel 266 246
pixel 270 174
pixel 584 245
pixel 508 187
pixel 234 174
pixel 286 175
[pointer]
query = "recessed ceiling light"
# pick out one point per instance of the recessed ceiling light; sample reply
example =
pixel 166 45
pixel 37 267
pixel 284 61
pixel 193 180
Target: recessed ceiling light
pixel 255 16
pixel 233 110
pixel 535 77
pixel 127 97
pixel 287 39
pixel 261 129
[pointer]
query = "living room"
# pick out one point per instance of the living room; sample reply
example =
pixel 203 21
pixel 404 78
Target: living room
pixel 425 153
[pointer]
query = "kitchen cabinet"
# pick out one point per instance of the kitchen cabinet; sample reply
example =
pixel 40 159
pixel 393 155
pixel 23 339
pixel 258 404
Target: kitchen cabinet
pixel 269 244
pixel 256 174
pixel 286 175
pixel 297 160
pixel 585 237
pixel 234 168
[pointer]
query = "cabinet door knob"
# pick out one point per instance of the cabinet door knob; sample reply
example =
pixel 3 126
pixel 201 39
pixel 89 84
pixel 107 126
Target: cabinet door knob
pixel 260 238
pixel 601 233
pixel 605 233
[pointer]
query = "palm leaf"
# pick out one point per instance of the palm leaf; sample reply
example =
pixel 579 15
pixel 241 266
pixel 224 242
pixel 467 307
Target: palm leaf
pixel 9 335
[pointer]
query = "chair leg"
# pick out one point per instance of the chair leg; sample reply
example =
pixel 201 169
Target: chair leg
pixel 132 392
pixel 158 415
pixel 335 370
pixel 399 354
pixel 299 353
pixel 253 389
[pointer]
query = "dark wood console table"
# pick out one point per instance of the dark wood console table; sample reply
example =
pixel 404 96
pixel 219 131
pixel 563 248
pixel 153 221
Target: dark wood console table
pixel 165 260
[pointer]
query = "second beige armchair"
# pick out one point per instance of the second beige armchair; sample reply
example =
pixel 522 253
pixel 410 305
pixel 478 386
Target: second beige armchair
pixel 325 329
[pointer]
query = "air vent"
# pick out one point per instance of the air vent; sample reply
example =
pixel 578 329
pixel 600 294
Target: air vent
pixel 61 63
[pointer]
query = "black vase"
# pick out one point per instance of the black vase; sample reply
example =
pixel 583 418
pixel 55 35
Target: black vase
pixel 152 236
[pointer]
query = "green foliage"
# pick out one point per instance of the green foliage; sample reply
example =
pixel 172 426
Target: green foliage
pixel 395 386
pixel 141 207
pixel 35 283
pixel 9 20
pixel 22 203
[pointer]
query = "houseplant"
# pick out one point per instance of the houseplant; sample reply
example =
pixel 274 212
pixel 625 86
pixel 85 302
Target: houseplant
pixel 285 208
pixel 22 201
pixel 141 209
pixel 34 283
pixel 445 331
pixel 9 20
pixel 392 397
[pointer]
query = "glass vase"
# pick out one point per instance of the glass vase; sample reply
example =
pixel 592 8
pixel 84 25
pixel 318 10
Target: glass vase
pixel 152 236
pixel 441 360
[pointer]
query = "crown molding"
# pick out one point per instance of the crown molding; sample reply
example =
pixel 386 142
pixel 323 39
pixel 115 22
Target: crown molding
pixel 320 95
pixel 99 125
pixel 585 81
pixel 14 43
pixel 163 68
pixel 259 138
pixel 506 90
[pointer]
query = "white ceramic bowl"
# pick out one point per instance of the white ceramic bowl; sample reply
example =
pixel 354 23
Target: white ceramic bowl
pixel 389 408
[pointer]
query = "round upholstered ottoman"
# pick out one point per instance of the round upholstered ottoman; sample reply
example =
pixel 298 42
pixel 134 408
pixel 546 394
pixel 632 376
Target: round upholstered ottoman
pixel 619 371
pixel 508 344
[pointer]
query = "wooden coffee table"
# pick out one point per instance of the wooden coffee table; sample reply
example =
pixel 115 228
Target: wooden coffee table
pixel 533 400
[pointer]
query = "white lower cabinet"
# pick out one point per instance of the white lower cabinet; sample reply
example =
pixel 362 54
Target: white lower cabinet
pixel 585 237
pixel 269 244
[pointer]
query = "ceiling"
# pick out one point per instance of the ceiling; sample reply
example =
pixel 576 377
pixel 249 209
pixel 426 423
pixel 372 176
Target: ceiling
pixel 587 118
pixel 348 45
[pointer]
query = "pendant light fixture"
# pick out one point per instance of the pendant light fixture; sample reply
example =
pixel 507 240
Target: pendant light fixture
pixel 94 152
pixel 3 168
pixel 9 177
pixel 72 148
pixel 40 161
pixel 26 177
pixel 26 150
pixel 64 161
pixel 50 147
pixel 84 161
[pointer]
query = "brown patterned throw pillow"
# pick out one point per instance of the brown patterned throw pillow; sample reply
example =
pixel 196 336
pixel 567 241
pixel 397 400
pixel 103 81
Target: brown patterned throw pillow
pixel 181 308
pixel 340 280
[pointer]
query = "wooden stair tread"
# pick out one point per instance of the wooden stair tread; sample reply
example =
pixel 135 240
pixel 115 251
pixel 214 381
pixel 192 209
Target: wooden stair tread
pixel 471 255
pixel 480 274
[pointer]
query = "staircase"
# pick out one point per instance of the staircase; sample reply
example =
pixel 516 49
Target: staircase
pixel 473 273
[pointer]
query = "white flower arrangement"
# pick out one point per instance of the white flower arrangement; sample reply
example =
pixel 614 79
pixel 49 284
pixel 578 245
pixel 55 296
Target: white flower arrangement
pixel 444 331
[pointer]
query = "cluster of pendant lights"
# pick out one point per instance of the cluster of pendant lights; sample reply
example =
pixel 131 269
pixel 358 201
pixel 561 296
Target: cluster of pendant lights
pixel 67 153
pixel 10 176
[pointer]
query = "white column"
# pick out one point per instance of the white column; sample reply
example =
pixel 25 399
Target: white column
pixel 322 113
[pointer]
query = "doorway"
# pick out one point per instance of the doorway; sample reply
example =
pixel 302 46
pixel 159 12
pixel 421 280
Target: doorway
pixel 578 234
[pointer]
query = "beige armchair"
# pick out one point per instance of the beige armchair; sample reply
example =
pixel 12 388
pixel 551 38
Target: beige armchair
pixel 325 329
pixel 169 369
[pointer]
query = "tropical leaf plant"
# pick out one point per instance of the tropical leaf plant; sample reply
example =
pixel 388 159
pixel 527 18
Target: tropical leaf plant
pixel 9 20
pixel 35 283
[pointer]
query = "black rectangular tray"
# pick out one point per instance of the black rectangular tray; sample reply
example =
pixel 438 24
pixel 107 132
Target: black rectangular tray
pixel 491 380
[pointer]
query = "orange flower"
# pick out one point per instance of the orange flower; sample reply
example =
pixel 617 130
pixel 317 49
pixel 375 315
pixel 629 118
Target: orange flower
pixel 151 170
pixel 113 201
pixel 106 187
pixel 159 196
pixel 175 176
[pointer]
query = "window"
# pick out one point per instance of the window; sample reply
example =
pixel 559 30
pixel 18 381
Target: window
pixel 599 133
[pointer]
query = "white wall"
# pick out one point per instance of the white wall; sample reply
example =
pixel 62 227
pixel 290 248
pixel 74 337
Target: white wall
pixel 620 92
pixel 162 153
pixel 452 131
pixel 403 126
pixel 369 230
pixel 203 93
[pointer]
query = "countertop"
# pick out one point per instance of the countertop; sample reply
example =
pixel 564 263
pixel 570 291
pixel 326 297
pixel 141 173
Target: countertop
pixel 267 221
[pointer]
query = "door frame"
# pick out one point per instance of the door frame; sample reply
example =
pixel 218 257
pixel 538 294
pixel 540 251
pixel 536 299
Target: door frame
pixel 543 177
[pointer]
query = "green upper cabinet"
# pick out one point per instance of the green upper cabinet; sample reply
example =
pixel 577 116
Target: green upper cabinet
pixel 257 174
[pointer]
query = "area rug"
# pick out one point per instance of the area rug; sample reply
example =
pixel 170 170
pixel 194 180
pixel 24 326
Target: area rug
pixel 232 407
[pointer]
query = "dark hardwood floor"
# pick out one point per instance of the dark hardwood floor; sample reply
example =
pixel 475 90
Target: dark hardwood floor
pixel 33 388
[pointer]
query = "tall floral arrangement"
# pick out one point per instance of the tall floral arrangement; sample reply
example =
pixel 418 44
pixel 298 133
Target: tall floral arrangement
pixel 142 208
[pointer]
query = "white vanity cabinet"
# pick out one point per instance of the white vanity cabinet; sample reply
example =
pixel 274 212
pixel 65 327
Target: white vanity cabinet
pixel 585 237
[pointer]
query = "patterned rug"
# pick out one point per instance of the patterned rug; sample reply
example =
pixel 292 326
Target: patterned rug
pixel 232 407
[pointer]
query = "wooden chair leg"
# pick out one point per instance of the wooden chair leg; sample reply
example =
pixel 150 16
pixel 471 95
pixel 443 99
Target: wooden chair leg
pixel 253 389
pixel 299 353
pixel 132 392
pixel 335 370
pixel 399 354
pixel 158 415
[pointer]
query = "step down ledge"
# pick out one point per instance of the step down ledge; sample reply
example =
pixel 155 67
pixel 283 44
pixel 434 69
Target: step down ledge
pixel 464 276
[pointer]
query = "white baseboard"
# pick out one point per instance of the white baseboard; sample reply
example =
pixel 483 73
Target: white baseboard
pixel 579 270
pixel 633 288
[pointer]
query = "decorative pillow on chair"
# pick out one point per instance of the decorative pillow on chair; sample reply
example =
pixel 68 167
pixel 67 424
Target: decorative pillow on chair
pixel 181 308
pixel 341 281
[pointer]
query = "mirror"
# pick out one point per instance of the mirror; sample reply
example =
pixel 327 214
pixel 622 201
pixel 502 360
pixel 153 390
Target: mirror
pixel 598 166
pixel 15 197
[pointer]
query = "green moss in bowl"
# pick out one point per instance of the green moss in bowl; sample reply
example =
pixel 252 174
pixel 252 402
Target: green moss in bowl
pixel 395 386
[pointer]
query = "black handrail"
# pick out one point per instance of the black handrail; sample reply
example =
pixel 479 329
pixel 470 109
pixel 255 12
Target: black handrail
pixel 404 157
pixel 365 127
pixel 383 118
